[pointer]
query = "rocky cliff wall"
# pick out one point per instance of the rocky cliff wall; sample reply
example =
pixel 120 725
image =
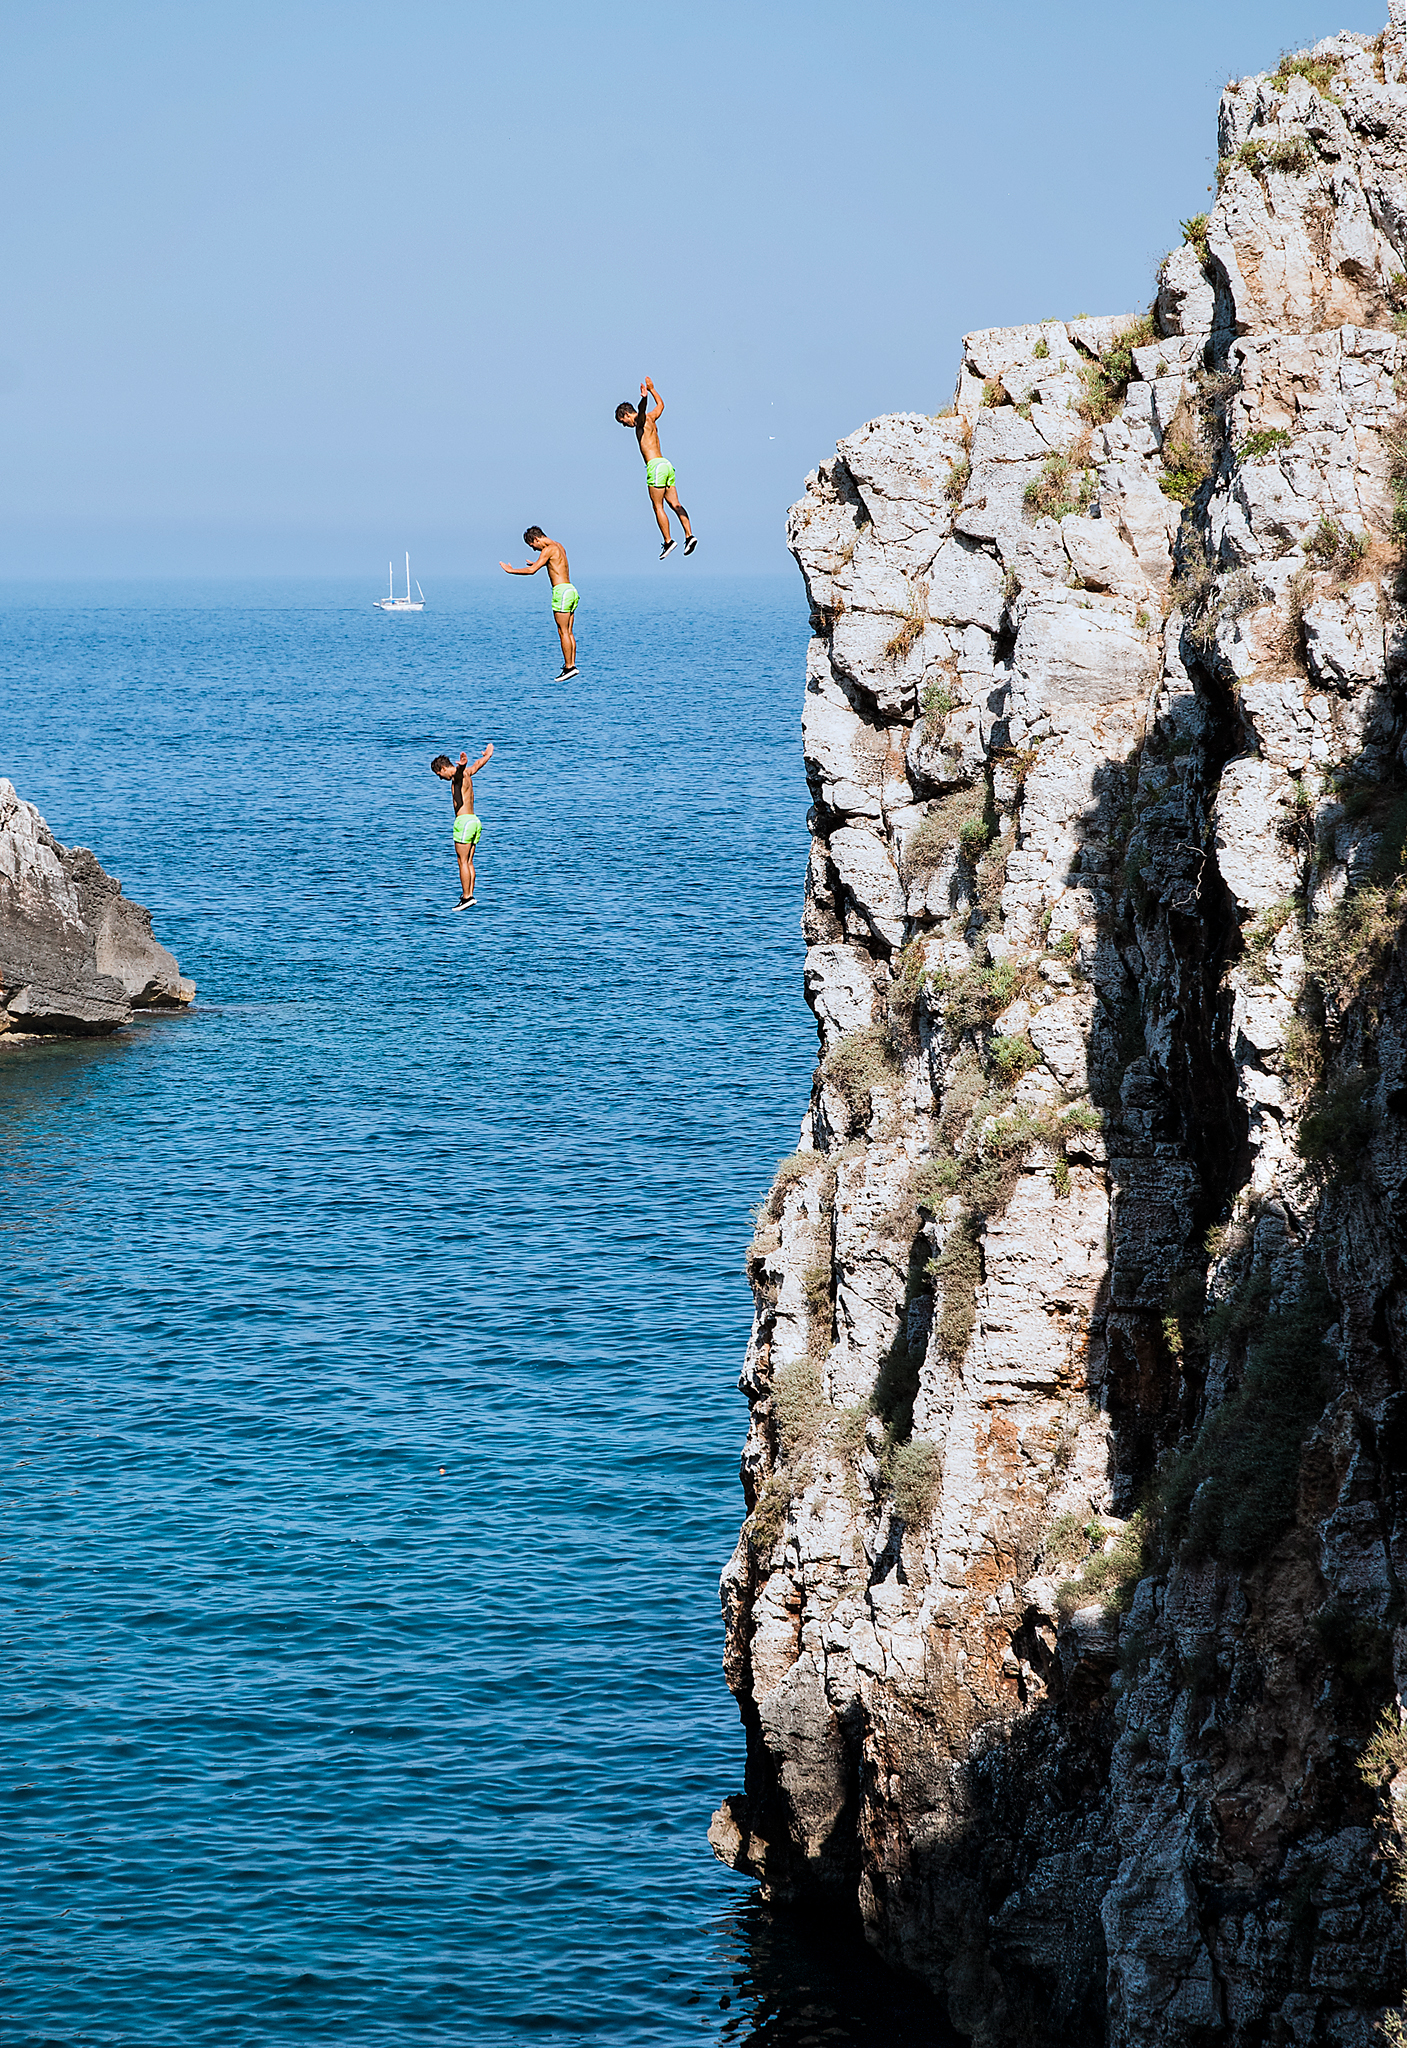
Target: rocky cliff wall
pixel 1069 1602
pixel 76 956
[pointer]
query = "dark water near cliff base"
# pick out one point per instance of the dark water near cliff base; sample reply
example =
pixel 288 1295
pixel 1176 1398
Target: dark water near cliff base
pixel 370 1337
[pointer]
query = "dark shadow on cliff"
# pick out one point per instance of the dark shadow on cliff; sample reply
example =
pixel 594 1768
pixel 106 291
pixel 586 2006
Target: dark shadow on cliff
pixel 1175 1127
pixel 795 1978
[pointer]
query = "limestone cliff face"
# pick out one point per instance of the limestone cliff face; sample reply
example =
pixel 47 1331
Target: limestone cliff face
pixel 76 956
pixel 1069 1595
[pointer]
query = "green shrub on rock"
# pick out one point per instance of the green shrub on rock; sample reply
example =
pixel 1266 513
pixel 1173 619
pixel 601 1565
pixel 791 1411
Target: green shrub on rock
pixel 1263 443
pixel 1385 1755
pixel 792 1169
pixel 1112 1576
pixel 1348 949
pixel 1338 1122
pixel 958 1270
pixel 937 701
pixel 1187 461
pixel 1064 485
pixel 1069 1539
pixel 915 1476
pixel 1320 71
pixel 861 1063
pixel 1013 1056
pixel 1107 379
pixel 933 1181
pixel 1233 1490
pixel 1288 154
pixel 820 1312
pixel 799 1404
pixel 945 825
pixel 1194 234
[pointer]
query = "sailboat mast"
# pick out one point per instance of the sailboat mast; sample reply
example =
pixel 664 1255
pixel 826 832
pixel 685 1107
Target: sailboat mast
pixel 407 577
pixel 391 580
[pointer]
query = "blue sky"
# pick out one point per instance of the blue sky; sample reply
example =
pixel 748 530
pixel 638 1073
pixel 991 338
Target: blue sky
pixel 296 286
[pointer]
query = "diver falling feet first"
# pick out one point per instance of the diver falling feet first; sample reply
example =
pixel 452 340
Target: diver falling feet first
pixel 659 473
pixel 552 556
pixel 467 827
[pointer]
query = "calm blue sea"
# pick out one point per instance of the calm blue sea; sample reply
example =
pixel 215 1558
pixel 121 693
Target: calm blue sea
pixel 369 1339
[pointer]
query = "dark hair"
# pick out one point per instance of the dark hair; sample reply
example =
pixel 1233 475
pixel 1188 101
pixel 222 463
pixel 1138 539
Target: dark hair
pixel 624 408
pixel 441 761
pixel 533 535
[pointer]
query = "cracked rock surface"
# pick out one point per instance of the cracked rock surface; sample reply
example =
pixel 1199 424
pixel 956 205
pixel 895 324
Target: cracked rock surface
pixel 76 955
pixel 1069 1598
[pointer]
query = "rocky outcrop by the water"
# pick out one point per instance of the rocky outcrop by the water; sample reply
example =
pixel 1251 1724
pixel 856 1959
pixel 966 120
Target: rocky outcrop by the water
pixel 1067 1622
pixel 76 956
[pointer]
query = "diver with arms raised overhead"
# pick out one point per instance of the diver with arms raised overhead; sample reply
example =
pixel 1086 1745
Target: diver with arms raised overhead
pixel 659 473
pixel 467 827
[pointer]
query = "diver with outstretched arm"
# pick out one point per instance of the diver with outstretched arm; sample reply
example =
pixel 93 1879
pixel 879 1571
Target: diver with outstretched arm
pixel 552 556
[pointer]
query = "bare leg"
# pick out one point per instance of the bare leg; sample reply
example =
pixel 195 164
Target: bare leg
pixel 672 498
pixel 567 638
pixel 466 870
pixel 657 500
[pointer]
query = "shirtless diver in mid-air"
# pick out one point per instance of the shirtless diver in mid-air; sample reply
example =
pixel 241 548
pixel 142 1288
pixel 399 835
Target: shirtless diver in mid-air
pixel 659 474
pixel 552 556
pixel 467 827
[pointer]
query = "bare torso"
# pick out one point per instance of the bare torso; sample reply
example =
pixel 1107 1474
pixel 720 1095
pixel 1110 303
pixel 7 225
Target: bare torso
pixel 648 435
pixel 556 562
pixel 462 789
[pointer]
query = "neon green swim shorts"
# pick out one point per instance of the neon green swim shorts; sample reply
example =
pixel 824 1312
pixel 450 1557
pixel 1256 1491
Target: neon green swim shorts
pixel 659 475
pixel 564 597
pixel 467 829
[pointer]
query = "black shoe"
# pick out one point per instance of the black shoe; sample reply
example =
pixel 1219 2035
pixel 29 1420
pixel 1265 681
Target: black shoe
pixel 668 548
pixel 566 675
pixel 691 543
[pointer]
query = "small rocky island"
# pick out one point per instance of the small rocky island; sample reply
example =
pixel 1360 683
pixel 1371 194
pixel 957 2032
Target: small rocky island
pixel 76 956
pixel 1068 1623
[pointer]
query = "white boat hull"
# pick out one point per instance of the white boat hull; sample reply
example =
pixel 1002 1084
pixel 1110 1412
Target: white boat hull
pixel 397 604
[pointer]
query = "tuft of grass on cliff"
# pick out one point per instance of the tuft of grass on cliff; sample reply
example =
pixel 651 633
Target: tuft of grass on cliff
pixel 1232 1492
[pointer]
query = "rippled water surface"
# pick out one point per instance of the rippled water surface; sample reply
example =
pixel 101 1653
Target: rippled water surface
pixel 370 1337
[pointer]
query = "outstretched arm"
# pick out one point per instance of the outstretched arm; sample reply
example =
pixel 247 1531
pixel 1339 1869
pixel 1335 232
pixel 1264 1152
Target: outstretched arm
pixel 482 758
pixel 530 569
pixel 659 402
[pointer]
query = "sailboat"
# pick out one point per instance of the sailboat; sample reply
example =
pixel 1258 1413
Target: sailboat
pixel 392 603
